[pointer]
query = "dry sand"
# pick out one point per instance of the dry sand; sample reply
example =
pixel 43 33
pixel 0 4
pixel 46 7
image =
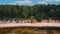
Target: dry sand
pixel 30 25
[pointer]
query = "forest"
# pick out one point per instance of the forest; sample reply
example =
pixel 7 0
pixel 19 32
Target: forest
pixel 38 12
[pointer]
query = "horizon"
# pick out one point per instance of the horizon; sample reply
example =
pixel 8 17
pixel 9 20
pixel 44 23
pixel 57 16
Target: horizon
pixel 28 2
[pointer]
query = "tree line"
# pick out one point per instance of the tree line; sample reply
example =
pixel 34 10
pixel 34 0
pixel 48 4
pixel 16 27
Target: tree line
pixel 38 12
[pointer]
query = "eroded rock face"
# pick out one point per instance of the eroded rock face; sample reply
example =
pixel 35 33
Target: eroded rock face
pixel 27 31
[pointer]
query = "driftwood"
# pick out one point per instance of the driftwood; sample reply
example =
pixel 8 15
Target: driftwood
pixel 30 21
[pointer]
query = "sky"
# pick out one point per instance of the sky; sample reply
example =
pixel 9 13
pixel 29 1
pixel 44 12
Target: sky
pixel 28 2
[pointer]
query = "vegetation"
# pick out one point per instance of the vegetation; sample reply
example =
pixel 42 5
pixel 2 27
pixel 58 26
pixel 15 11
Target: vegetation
pixel 39 12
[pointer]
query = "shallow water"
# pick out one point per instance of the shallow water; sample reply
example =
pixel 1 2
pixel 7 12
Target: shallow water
pixel 29 30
